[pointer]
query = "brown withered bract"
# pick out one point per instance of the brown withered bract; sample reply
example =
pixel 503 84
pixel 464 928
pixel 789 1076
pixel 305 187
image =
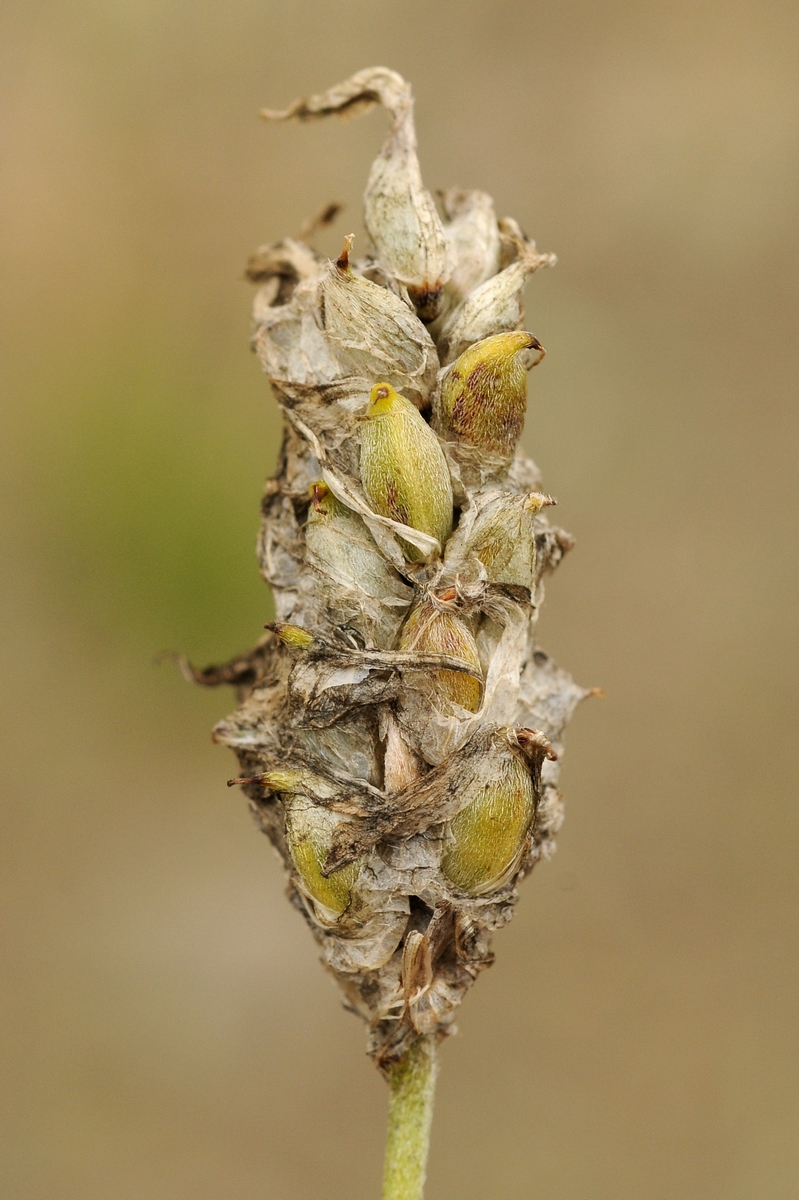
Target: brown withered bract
pixel 400 731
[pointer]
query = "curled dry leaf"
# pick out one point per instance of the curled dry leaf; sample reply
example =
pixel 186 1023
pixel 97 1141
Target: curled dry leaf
pixel 399 212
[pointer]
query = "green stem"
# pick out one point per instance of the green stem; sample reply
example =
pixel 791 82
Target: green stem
pixel 410 1112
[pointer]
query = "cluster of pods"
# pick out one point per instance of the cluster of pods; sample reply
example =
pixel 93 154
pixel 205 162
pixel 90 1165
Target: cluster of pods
pixel 399 729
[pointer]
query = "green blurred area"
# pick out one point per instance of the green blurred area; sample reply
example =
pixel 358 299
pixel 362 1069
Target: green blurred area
pixel 167 1032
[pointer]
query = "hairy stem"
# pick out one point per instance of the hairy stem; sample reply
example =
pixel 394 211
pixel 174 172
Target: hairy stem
pixel 410 1113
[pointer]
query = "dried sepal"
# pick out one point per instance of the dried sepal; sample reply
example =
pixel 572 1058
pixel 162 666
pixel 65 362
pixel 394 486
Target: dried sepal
pixel 399 213
pixel 497 540
pixel 363 589
pixel 472 231
pixel 403 469
pixel 373 333
pixel 279 268
pixel 494 307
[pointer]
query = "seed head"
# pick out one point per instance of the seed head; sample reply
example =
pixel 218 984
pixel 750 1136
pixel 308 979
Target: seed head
pixel 395 729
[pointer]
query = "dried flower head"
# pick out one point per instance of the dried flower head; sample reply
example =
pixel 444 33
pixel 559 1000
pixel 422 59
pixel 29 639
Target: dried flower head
pixel 399 729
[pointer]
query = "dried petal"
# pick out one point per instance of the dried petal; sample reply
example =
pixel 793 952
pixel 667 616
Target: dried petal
pixel 367 593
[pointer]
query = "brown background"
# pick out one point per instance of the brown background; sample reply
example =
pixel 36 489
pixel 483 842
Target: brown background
pixel 168 1034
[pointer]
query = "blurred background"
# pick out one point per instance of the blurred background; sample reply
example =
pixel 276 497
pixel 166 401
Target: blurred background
pixel 167 1031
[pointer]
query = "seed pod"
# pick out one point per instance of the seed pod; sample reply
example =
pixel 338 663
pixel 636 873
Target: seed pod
pixel 403 469
pixel 369 593
pixel 433 627
pixel 309 833
pixel 483 395
pixel 501 537
pixel 487 838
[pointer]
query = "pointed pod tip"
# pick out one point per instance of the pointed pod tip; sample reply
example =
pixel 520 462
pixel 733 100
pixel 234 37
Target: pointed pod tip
pixel 382 399
pixel 318 493
pixel 535 501
pixel 343 260
pixel 291 635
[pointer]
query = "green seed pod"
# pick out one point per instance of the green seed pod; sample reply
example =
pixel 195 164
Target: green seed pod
pixel 309 833
pixel 434 628
pixel 483 396
pixel 487 838
pixel 403 469
pixel 369 594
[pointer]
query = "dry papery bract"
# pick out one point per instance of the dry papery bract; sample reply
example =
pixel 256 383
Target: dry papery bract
pixel 399 732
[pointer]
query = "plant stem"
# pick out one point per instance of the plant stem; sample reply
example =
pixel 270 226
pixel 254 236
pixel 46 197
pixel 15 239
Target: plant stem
pixel 410 1113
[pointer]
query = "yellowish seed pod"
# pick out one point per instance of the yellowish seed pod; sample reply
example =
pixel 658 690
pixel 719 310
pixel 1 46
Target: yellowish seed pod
pixel 403 469
pixel 487 838
pixel 431 628
pixel 309 833
pixel 483 396
pixel 310 829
